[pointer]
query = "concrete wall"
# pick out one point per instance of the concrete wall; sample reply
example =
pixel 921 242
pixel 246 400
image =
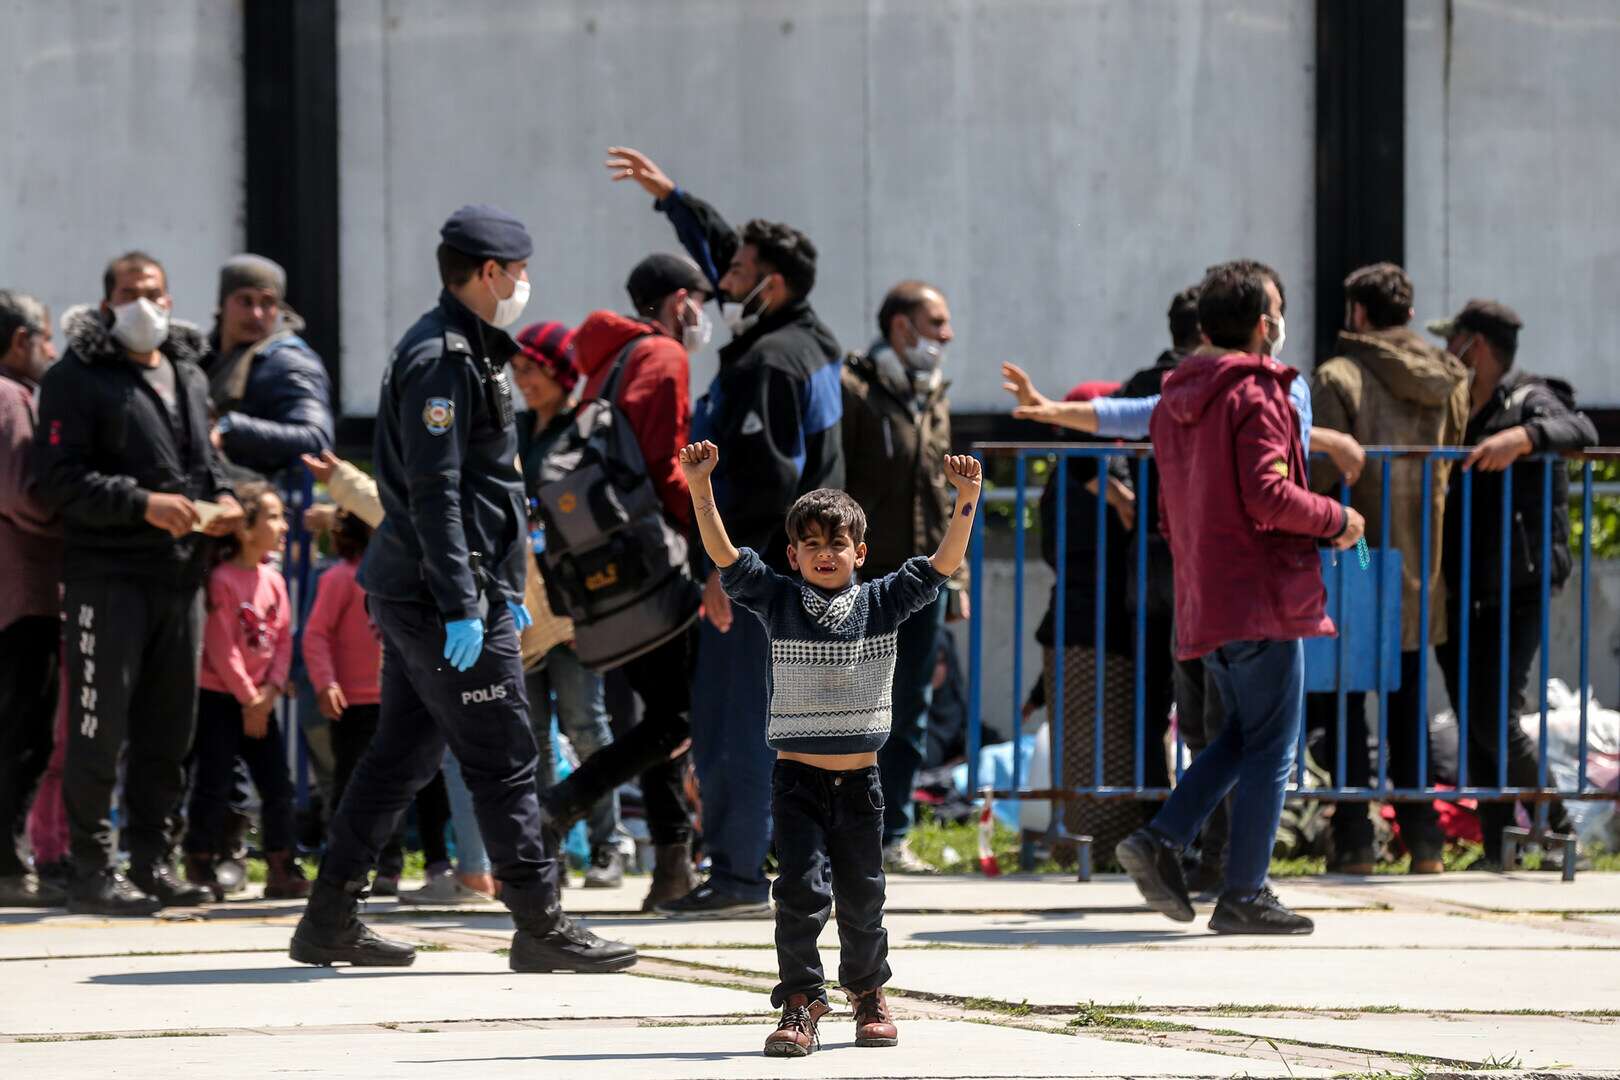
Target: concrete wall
pixel 1059 168
pixel 120 127
pixel 1513 143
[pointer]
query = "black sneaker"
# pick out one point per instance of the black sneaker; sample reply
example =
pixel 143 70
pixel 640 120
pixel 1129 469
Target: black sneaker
pixel 708 902
pixel 607 868
pixel 161 881
pixel 1261 913
pixel 107 892
pixel 21 890
pixel 1156 868
pixel 568 946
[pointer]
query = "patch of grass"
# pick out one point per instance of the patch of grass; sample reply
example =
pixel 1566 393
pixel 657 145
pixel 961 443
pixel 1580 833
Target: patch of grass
pixel 1091 1015
pixel 1023 1008
pixel 1305 866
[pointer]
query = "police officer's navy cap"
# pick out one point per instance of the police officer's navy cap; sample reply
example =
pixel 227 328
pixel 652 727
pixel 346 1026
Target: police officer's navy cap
pixel 487 232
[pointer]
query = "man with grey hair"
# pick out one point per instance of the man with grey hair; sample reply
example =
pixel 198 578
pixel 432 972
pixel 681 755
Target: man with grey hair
pixel 30 569
pixel 272 399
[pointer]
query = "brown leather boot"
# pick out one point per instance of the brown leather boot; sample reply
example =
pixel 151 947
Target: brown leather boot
pixel 200 871
pixel 672 876
pixel 874 1023
pixel 796 1035
pixel 1427 866
pixel 285 879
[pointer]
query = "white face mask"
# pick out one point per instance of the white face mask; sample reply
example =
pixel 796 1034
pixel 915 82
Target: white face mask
pixel 696 334
pixel 140 325
pixel 926 355
pixel 508 310
pixel 1275 344
pixel 733 311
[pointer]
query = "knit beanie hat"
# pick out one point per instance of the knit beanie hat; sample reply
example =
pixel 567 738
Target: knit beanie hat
pixel 551 345
pixel 252 271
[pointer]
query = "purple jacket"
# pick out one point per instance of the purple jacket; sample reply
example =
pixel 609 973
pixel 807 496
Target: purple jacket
pixel 30 536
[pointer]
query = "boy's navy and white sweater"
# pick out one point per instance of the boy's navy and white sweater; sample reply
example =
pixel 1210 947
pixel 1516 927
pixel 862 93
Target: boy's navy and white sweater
pixel 832 654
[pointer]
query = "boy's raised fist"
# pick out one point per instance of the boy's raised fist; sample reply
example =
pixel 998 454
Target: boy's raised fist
pixel 699 459
pixel 963 471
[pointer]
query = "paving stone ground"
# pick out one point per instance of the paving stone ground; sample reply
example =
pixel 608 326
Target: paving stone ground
pixel 1020 977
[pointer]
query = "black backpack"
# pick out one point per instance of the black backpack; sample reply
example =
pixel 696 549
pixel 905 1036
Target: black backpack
pixel 612 560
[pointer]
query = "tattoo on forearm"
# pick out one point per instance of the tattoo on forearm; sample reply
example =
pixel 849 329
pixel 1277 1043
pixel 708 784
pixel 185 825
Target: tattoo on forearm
pixel 967 509
pixel 707 508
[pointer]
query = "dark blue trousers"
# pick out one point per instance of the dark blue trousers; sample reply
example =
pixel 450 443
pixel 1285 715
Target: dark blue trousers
pixel 481 714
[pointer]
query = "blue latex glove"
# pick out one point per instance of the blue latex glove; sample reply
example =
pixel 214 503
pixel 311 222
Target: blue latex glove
pixel 520 615
pixel 463 641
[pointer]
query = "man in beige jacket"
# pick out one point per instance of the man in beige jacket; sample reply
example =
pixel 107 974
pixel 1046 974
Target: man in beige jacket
pixel 1386 386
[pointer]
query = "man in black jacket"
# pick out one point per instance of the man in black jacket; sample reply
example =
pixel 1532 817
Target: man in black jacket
pixel 271 394
pixel 1514 414
pixel 122 453
pixel 774 409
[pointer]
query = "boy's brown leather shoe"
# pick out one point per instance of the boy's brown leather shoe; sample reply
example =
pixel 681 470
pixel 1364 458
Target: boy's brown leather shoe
pixel 796 1035
pixel 874 1024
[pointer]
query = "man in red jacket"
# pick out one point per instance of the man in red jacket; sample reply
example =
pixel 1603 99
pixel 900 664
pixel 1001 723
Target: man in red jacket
pixel 653 394
pixel 1243 530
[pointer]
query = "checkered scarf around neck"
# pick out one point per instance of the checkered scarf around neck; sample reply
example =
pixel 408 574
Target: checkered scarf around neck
pixel 829 611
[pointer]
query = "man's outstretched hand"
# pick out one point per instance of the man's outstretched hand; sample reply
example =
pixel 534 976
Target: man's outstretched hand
pixel 624 163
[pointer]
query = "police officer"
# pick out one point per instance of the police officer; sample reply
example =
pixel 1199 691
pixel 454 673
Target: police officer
pixel 444 576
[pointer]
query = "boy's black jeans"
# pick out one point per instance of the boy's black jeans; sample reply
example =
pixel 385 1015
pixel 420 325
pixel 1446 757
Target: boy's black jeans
pixel 829 846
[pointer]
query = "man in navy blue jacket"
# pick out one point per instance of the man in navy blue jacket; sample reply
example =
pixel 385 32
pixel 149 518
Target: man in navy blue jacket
pixel 776 406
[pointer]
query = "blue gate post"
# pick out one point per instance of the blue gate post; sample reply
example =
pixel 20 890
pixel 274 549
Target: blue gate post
pixel 1466 615
pixel 298 492
pixel 1424 547
pixel 975 733
pixel 1338 671
pixel 1144 500
pixel 1378 594
pixel 1502 630
pixel 1546 626
pixel 1018 625
pixel 1099 623
pixel 1586 610
pixel 1060 595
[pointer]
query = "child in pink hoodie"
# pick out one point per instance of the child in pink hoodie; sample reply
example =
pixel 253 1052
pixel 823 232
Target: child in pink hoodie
pixel 247 651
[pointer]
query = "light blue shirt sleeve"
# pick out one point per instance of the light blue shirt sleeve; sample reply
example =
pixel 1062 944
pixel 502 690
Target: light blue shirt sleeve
pixel 1126 418
pixel 1299 393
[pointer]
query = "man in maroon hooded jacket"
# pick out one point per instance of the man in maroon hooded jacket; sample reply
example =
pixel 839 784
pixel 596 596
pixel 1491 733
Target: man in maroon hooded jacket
pixel 1243 530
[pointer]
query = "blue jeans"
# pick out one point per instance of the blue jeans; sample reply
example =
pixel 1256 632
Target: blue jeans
pixel 901 756
pixel 471 855
pixel 1262 686
pixel 582 716
pixel 730 711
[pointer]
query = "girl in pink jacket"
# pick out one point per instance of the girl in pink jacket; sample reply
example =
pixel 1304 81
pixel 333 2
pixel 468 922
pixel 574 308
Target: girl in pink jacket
pixel 247 651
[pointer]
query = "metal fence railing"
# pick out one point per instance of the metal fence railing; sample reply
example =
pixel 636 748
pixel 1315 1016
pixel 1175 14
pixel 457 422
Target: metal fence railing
pixel 1135 458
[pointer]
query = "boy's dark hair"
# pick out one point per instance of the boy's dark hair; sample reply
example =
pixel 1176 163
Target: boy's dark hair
pixel 1183 316
pixel 350 535
pixel 250 495
pixel 456 266
pixel 1231 299
pixel 786 250
pixel 1385 290
pixel 128 260
pixel 829 512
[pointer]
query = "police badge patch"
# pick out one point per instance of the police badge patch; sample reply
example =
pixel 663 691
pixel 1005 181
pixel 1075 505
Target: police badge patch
pixel 438 415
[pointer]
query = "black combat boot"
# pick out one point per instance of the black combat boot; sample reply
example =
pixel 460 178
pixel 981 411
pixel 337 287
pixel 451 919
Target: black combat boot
pixel 159 879
pixel 104 891
pixel 331 931
pixel 547 940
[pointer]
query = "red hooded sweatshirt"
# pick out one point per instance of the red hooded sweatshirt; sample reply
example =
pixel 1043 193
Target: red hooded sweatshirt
pixel 654 394
pixel 1242 525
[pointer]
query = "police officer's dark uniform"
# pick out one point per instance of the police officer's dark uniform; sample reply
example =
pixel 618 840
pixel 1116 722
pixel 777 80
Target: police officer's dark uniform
pixel 450 549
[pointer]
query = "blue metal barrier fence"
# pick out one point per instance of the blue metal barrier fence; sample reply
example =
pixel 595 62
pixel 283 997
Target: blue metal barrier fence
pixel 1136 458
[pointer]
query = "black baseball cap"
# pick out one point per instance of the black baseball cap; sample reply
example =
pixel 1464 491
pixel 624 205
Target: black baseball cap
pixel 656 276
pixel 1497 323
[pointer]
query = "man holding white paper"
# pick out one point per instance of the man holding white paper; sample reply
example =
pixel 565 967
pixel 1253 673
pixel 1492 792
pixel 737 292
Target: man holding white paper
pixel 122 454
